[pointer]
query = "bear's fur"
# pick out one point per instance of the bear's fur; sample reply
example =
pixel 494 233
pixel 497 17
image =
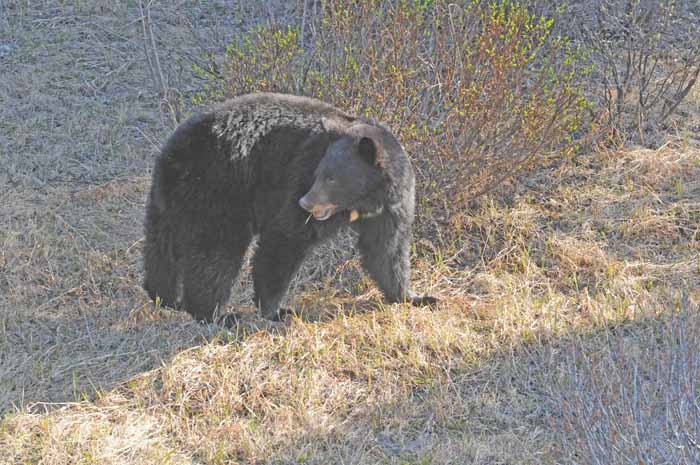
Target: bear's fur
pixel 252 166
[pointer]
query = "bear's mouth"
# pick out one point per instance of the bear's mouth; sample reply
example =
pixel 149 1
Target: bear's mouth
pixel 323 212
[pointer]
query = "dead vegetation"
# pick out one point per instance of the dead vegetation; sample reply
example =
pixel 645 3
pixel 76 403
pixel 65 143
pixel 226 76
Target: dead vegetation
pixel 560 292
pixel 646 59
pixel 477 91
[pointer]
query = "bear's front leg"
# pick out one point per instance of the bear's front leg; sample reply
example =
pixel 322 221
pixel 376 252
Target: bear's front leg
pixel 275 263
pixel 385 256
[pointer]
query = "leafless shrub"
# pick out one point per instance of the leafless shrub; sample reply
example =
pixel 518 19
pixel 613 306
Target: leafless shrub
pixel 636 400
pixel 647 58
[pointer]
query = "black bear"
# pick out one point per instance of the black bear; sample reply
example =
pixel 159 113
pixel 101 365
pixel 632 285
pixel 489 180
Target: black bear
pixel 290 169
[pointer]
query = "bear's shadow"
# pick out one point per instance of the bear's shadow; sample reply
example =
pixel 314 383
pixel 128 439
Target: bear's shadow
pixel 58 355
pixel 54 358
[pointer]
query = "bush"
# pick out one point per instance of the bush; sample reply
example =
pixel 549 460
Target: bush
pixel 476 91
pixel 646 56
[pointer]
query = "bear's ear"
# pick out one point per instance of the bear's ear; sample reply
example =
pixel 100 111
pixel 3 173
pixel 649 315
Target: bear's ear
pixel 335 125
pixel 370 151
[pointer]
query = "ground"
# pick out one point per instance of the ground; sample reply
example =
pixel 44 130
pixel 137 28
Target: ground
pixel 590 250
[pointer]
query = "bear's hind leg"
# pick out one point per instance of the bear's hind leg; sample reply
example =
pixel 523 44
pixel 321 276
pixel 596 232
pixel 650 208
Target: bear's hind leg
pixel 159 261
pixel 207 275
pixel 159 280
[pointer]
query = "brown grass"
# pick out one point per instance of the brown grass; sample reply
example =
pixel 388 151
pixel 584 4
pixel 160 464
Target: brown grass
pixel 91 373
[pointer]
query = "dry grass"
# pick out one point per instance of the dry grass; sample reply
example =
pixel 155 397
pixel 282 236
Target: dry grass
pixel 90 373
pixel 629 394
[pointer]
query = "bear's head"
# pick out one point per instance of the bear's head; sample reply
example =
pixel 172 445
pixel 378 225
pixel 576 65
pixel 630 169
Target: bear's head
pixel 351 175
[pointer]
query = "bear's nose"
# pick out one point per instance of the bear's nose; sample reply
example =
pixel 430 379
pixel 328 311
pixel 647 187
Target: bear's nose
pixel 305 204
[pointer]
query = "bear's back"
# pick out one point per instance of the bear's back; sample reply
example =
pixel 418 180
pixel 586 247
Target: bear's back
pixel 241 122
